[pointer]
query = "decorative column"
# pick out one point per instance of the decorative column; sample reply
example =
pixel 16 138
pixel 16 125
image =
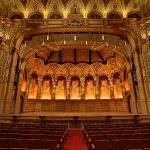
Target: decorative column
pixel 4 73
pixel 38 103
pixel 68 88
pixel 142 93
pixel 27 86
pixel 40 79
pixel 112 104
pixel 9 97
pixel 17 108
pixel 122 86
pixel 111 84
pixel 82 87
pixel 53 87
pixel 146 68
pixel 96 80
pixel 8 61
pixel 133 101
pixel 125 103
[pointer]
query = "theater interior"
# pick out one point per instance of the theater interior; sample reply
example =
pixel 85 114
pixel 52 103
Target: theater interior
pixel 74 75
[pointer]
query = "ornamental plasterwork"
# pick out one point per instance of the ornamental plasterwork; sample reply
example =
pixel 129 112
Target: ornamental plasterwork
pixel 64 7
pixel 113 65
pixel 75 70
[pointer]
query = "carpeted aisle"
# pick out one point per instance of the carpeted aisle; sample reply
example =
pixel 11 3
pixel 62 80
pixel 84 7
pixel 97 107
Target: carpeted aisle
pixel 75 140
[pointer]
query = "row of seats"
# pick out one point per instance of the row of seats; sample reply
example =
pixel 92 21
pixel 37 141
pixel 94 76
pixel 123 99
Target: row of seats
pixel 46 137
pixel 118 137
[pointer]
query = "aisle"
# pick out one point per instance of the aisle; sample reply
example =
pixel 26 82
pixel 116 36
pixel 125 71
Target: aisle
pixel 75 140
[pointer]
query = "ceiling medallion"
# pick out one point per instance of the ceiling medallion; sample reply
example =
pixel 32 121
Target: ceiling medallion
pixel 55 6
pixel 115 6
pixel 35 6
pixel 135 6
pixel 15 7
pixel 95 6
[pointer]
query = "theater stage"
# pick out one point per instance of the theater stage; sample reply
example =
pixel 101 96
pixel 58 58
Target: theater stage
pixel 74 117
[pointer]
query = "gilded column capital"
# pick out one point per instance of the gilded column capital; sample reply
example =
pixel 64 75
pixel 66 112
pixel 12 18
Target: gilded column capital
pixel 40 79
pixel 110 79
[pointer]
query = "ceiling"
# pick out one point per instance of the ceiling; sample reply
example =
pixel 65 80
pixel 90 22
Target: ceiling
pixel 108 55
pixel 84 41
pixel 63 8
pixel 75 62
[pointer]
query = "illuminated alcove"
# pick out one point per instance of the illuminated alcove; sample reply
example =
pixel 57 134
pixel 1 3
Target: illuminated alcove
pixel 60 88
pixel 104 87
pixel 46 89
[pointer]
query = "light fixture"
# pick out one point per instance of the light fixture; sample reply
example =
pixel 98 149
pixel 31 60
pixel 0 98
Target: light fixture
pixel 86 42
pixel 125 43
pixel 25 44
pixel 106 43
pixel 64 38
pixel 47 37
pixel 103 37
pixel 75 37
pixel 43 39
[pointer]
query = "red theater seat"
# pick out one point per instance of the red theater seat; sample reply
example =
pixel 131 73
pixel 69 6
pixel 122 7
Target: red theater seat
pixel 119 144
pixel 101 145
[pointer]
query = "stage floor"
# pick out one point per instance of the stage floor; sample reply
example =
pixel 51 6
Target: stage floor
pixel 79 114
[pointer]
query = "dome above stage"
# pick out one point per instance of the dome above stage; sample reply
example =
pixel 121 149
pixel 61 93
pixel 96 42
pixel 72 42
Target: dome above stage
pixel 76 62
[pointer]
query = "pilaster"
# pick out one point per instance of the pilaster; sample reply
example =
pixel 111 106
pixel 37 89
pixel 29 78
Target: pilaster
pixel 82 87
pixel 142 93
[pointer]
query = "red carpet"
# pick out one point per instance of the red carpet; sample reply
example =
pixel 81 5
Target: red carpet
pixel 75 140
